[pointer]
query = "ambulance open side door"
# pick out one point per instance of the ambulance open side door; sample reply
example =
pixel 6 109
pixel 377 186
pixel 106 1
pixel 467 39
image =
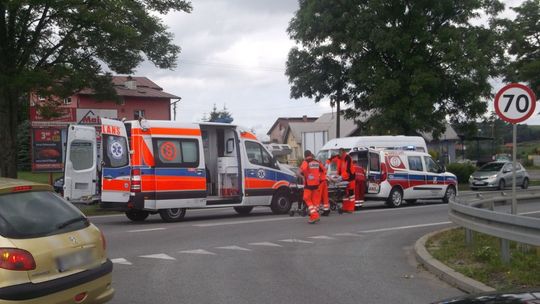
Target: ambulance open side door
pixel 80 168
pixel 116 167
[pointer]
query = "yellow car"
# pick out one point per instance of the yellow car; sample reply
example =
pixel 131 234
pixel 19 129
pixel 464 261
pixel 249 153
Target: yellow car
pixel 49 251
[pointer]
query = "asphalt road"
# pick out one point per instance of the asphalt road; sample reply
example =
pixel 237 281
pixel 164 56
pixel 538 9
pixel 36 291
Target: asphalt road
pixel 216 256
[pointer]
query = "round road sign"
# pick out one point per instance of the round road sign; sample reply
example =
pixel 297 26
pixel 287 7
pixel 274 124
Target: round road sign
pixel 515 103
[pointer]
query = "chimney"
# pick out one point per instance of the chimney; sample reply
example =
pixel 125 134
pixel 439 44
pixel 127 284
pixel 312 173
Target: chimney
pixel 130 83
pixel 304 118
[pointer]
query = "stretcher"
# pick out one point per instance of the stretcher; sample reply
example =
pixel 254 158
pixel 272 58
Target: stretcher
pixel 336 192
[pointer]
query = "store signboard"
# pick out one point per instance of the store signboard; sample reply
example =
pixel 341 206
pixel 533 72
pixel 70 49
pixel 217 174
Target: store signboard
pixel 47 152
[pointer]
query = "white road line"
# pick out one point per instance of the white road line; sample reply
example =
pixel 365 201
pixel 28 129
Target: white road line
pixel 145 230
pixel 347 234
pixel 404 227
pixel 234 247
pixel 161 256
pixel 265 244
pixel 321 237
pixel 246 222
pixel 121 261
pixel 296 241
pixel 198 251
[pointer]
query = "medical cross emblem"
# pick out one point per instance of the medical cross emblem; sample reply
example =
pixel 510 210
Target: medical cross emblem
pixel 116 150
pixel 260 173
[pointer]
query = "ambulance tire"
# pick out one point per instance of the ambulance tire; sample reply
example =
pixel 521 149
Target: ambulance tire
pixel 281 202
pixel 172 215
pixel 395 199
pixel 449 195
pixel 243 210
pixel 137 215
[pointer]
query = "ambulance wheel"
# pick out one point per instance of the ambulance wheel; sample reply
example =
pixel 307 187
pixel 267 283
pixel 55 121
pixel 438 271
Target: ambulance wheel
pixel 243 210
pixel 395 199
pixel 449 195
pixel 137 215
pixel 172 215
pixel 281 202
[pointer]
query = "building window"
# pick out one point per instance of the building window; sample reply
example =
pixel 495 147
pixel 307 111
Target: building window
pixel 67 100
pixel 138 113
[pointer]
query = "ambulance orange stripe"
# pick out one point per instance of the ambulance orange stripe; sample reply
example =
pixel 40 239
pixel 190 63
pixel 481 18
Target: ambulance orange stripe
pixel 259 183
pixel 248 135
pixel 279 184
pixel 115 185
pixel 161 183
pixel 168 131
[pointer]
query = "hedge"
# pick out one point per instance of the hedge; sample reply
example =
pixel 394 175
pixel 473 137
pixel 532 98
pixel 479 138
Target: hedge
pixel 462 171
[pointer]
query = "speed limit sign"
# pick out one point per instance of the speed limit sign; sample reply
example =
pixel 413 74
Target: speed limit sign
pixel 515 103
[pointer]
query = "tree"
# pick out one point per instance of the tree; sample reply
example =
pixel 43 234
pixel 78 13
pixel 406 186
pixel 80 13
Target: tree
pixel 220 116
pixel 54 48
pixel 523 41
pixel 404 65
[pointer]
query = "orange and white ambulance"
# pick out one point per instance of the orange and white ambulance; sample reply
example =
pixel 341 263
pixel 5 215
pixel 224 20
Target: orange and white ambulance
pixel 146 167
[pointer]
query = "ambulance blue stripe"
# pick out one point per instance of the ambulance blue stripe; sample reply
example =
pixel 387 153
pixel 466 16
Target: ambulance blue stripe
pixel 269 175
pixel 116 172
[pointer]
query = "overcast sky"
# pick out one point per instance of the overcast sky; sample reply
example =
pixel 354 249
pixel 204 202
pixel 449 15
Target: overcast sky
pixel 233 54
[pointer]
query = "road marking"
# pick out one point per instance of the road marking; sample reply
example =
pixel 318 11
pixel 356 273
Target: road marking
pixel 404 227
pixel 296 241
pixel 161 256
pixel 321 237
pixel 121 261
pixel 145 230
pixel 234 247
pixel 198 251
pixel 246 222
pixel 265 244
pixel 531 212
pixel 347 234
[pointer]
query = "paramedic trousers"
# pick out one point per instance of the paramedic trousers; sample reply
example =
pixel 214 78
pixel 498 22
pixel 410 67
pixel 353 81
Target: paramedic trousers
pixel 312 197
pixel 323 187
pixel 349 199
pixel 360 191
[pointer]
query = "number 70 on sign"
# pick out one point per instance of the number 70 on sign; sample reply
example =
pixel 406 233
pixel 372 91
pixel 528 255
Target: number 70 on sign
pixel 515 103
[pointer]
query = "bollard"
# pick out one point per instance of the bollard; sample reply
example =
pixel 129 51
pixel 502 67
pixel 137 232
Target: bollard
pixel 505 251
pixel 468 237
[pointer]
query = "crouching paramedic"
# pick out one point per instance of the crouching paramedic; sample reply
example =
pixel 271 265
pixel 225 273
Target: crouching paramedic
pixel 346 170
pixel 312 171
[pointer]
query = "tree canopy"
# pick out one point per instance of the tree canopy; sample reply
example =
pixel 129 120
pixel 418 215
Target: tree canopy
pixel 404 65
pixel 219 116
pixel 523 38
pixel 56 47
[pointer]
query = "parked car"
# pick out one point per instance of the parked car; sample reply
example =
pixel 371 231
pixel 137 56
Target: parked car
pixel 498 175
pixel 49 251
pixel 507 297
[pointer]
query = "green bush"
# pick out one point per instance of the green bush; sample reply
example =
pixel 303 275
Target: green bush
pixel 462 171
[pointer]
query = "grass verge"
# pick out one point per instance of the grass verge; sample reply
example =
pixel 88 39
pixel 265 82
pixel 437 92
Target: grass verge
pixel 93 209
pixel 482 260
pixel 37 177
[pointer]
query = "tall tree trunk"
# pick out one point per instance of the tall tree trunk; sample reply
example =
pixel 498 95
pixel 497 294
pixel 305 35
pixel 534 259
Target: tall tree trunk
pixel 8 132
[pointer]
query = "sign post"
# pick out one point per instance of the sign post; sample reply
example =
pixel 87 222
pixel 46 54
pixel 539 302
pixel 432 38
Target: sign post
pixel 515 103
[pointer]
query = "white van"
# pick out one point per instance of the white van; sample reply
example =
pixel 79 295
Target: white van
pixel 399 142
pixel 171 166
pixel 396 176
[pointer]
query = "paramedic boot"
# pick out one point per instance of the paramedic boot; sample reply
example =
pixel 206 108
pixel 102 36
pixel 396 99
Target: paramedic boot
pixel 325 212
pixel 314 217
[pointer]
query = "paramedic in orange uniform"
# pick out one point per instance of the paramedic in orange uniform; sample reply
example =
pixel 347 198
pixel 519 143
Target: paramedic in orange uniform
pixel 312 171
pixel 323 188
pixel 346 170
pixel 360 188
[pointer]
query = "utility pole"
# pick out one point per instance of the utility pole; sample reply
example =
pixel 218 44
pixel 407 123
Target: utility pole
pixel 338 112
pixel 174 107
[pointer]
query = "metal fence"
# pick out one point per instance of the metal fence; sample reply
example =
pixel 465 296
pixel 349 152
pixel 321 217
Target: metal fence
pixel 476 213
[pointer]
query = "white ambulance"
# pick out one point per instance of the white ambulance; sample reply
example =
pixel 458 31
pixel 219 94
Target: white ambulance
pixel 398 176
pixel 166 167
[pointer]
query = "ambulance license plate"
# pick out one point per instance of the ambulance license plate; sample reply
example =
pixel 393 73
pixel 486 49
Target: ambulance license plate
pixel 373 188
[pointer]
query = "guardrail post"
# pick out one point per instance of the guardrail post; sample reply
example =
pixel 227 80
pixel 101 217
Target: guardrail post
pixel 468 237
pixel 505 251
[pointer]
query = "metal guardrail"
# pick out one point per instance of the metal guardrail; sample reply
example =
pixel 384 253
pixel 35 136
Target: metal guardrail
pixel 470 212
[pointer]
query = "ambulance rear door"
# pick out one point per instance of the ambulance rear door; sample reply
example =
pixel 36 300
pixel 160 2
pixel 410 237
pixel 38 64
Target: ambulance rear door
pixel 116 168
pixel 80 166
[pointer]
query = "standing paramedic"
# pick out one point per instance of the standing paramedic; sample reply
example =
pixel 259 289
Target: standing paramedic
pixel 346 170
pixel 312 170
pixel 360 187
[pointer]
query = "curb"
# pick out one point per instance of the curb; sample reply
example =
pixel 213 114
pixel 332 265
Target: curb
pixel 444 272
